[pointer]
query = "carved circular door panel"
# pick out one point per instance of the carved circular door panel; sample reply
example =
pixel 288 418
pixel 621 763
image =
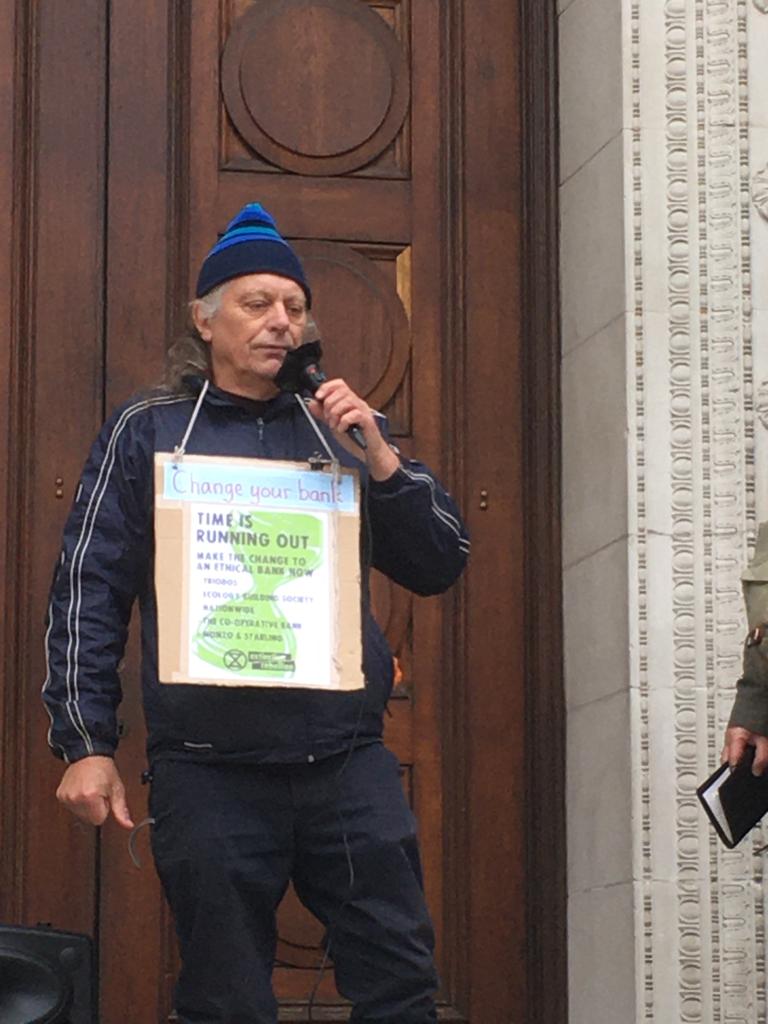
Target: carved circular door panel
pixel 365 330
pixel 315 86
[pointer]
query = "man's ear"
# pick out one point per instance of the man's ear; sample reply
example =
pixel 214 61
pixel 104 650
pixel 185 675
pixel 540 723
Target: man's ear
pixel 201 321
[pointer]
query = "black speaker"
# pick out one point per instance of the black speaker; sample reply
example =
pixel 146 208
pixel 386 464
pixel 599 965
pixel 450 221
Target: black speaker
pixel 46 977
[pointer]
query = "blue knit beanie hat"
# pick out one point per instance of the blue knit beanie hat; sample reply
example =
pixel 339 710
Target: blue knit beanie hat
pixel 250 245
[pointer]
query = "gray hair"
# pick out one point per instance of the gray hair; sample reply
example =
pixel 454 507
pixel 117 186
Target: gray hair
pixel 190 356
pixel 210 302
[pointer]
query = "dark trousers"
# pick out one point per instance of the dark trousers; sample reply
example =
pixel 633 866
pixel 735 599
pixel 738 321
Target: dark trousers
pixel 228 838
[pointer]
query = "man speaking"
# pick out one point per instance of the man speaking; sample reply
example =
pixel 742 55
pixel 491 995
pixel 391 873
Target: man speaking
pixel 252 787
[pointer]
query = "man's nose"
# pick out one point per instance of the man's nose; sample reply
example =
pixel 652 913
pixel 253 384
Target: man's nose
pixel 279 319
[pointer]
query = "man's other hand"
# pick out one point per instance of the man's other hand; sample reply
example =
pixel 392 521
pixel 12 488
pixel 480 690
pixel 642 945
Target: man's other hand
pixel 737 739
pixel 91 788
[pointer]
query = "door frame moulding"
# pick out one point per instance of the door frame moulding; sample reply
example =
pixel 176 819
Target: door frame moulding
pixel 546 736
pixel 545 891
pixel 18 370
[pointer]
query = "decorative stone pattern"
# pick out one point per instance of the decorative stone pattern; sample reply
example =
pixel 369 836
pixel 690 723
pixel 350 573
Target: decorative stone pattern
pixel 737 920
pixel 720 925
pixel 761 403
pixel 644 910
pixel 686 490
pixel 714 932
pixel 760 190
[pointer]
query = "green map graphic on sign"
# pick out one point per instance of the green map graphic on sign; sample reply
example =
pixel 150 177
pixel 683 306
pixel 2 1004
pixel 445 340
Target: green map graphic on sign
pixel 249 635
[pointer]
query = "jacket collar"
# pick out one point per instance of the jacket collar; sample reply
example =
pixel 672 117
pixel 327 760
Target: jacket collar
pixel 267 409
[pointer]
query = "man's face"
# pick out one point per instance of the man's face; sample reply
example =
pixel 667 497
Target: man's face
pixel 260 317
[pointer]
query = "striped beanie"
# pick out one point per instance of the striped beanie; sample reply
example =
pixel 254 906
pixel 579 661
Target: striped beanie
pixel 250 245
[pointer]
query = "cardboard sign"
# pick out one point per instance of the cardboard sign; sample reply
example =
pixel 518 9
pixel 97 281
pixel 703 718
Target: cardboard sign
pixel 257 573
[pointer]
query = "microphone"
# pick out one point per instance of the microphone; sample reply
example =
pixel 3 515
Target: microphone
pixel 301 374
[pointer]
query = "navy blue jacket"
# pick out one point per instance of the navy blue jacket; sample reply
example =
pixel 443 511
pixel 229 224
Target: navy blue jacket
pixel 413 531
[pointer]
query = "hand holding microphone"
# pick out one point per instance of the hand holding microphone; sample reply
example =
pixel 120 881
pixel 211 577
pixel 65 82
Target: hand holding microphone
pixel 337 405
pixel 302 374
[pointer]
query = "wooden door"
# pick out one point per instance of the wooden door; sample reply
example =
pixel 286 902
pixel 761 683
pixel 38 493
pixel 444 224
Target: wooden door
pixel 385 138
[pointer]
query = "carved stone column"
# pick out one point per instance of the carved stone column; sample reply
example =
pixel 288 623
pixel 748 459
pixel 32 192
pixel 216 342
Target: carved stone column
pixel 664 263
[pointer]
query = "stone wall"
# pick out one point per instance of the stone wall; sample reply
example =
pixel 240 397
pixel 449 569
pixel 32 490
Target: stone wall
pixel 664 247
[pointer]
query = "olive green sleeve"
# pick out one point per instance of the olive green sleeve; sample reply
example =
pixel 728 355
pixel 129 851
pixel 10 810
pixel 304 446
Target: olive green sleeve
pixel 750 709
